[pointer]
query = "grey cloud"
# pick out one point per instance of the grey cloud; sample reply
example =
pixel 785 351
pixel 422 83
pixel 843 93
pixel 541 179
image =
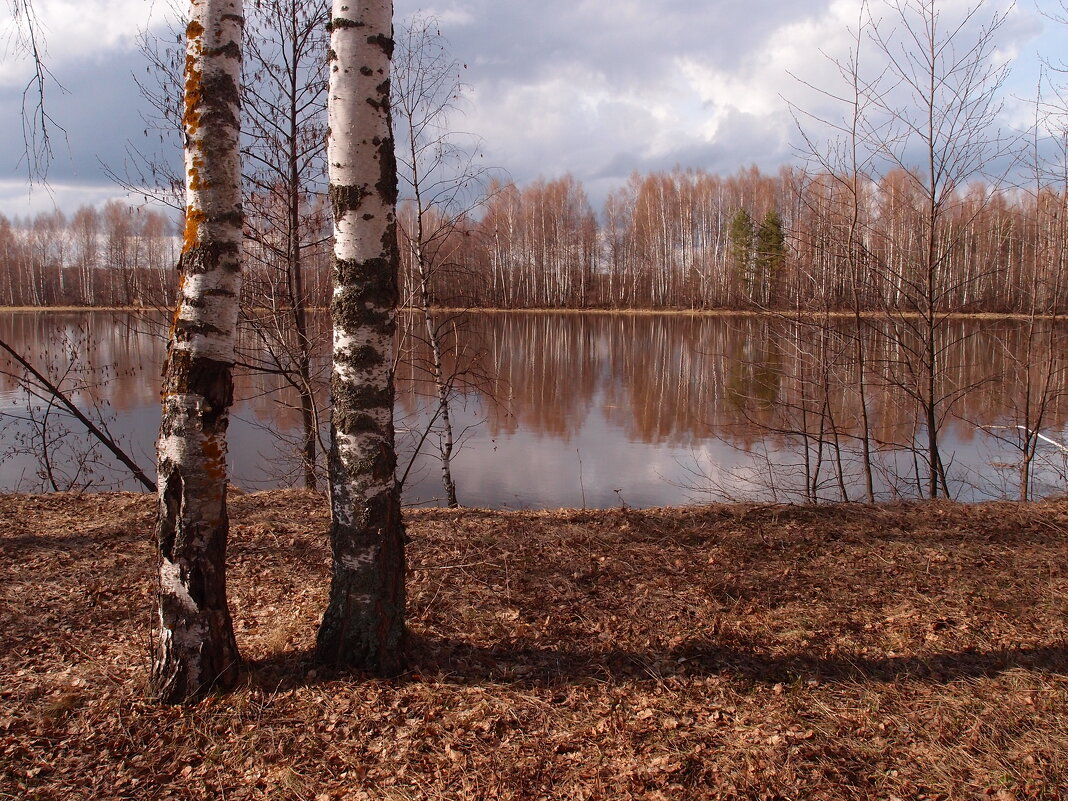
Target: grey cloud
pixel 619 47
pixel 510 42
pixel 743 140
pixel 95 117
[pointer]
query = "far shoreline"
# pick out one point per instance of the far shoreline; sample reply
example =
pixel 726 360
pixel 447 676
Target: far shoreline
pixel 782 314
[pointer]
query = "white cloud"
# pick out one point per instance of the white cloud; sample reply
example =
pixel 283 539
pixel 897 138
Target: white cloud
pixel 776 72
pixel 579 111
pixel 79 32
pixel 448 17
pixel 18 199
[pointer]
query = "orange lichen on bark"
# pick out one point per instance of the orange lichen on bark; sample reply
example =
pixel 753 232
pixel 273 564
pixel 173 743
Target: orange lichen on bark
pixel 194 87
pixel 196 183
pixel 194 218
pixel 194 95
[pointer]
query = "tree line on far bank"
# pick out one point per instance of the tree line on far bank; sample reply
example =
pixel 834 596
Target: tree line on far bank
pixel 684 239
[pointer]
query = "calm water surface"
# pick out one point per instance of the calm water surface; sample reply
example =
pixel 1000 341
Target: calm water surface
pixel 590 410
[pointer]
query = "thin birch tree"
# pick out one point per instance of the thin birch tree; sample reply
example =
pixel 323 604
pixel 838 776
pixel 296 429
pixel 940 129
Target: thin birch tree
pixel 285 96
pixel 363 626
pixel 194 649
pixel 846 162
pixel 939 115
pixel 443 184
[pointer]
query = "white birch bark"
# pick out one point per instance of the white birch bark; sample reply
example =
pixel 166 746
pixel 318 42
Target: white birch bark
pixel 195 649
pixel 364 623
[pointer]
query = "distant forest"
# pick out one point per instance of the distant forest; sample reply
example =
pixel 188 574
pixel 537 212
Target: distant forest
pixel 684 239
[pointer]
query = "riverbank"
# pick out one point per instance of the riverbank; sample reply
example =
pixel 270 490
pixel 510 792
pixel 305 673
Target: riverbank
pixel 737 651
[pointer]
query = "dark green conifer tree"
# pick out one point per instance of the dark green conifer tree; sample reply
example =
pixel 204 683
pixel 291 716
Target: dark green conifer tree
pixel 769 256
pixel 741 251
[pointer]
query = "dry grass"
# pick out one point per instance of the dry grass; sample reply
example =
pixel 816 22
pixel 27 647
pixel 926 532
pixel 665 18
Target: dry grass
pixel 749 652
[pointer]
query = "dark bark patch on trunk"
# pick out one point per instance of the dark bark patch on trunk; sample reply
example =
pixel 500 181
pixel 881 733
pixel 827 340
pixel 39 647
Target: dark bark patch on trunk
pixel 185 330
pixel 171 500
pixel 371 281
pixel 235 219
pixel 387 180
pixel 389 241
pixel 340 23
pixel 201 259
pixel 361 357
pixel 355 423
pixel 351 312
pixel 221 98
pixel 228 50
pixel 382 41
pixel 379 464
pixel 344 199
pixel 360 396
pixel 195 375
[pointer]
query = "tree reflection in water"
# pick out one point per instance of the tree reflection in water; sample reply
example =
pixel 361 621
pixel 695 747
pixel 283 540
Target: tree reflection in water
pixel 659 409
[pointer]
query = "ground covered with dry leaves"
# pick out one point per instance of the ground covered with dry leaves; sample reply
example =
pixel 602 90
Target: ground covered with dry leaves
pixel 749 652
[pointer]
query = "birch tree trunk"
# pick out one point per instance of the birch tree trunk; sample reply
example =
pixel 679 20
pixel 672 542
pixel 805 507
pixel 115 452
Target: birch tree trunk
pixel 195 649
pixel 363 626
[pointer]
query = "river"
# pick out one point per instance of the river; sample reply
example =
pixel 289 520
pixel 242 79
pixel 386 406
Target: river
pixel 597 410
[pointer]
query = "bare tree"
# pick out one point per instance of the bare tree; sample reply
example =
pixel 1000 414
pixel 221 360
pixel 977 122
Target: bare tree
pixel 846 159
pixel 37 123
pixel 285 96
pixel 363 625
pixel 150 169
pixel 441 179
pixel 936 125
pixel 1037 364
pixel 195 648
pixel 924 116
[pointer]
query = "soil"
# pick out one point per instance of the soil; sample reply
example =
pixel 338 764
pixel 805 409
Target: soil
pixel 735 652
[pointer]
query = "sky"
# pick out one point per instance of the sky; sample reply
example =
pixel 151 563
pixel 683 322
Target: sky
pixel 597 88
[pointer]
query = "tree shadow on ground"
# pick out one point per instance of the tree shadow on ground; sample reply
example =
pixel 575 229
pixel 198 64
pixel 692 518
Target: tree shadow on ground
pixel 451 661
